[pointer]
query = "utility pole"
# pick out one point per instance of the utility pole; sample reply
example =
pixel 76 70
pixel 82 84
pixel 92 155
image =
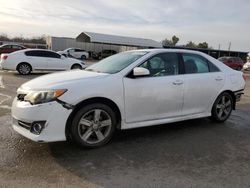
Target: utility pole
pixel 219 51
pixel 229 47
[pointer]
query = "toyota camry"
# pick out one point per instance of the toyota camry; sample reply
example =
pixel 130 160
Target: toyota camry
pixel 127 90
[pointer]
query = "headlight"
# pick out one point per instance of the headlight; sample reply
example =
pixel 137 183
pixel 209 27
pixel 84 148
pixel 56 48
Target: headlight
pixel 38 97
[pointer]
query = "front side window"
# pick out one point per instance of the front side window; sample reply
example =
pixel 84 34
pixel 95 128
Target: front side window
pixel 79 50
pixel 163 64
pixel 116 63
pixel 52 54
pixel 16 47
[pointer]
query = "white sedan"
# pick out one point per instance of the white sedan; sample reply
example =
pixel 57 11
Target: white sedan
pixel 246 66
pixel 127 90
pixel 75 53
pixel 28 60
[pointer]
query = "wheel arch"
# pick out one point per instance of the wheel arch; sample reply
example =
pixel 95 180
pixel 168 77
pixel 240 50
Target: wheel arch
pixel 85 102
pixel 78 64
pixel 231 93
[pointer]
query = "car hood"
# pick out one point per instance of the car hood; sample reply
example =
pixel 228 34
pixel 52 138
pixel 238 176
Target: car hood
pixel 54 80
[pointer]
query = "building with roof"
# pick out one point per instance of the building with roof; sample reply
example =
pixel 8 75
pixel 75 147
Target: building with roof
pixel 117 40
pixel 96 42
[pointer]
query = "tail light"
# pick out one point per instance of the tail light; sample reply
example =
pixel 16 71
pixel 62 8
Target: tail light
pixel 244 77
pixel 4 57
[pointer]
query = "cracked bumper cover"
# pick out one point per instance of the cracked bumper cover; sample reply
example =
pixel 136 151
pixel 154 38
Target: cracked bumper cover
pixel 54 113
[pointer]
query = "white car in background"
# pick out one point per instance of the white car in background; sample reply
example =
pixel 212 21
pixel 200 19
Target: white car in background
pixel 246 66
pixel 127 90
pixel 75 53
pixel 28 60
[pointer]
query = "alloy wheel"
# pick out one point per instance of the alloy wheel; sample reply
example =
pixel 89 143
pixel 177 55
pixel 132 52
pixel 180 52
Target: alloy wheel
pixel 94 126
pixel 224 107
pixel 24 69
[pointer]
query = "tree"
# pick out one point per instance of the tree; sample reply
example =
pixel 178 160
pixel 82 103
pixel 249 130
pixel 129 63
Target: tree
pixel 4 37
pixel 21 39
pixel 172 42
pixel 203 45
pixel 191 44
pixel 167 42
pixel 175 40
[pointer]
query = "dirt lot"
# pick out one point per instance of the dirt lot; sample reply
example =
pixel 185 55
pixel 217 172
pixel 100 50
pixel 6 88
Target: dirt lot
pixel 197 153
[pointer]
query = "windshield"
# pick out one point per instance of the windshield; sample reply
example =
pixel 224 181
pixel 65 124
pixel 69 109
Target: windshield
pixel 116 63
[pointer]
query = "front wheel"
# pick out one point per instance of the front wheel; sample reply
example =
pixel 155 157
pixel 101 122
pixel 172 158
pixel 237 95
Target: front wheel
pixel 222 107
pixel 93 125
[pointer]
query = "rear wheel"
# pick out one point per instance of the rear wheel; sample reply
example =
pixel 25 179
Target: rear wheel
pixel 93 125
pixel 222 107
pixel 83 57
pixel 76 66
pixel 24 68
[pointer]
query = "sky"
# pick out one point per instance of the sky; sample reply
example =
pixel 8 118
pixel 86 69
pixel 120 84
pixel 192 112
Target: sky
pixel 217 22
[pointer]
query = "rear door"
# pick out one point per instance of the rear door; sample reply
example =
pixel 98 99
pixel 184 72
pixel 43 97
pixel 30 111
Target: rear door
pixel 203 81
pixel 37 59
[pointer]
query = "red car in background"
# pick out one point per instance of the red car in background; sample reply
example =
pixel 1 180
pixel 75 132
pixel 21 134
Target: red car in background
pixel 8 48
pixel 233 62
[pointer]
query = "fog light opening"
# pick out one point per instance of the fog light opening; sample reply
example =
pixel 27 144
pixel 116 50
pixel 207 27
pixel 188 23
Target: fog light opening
pixel 37 127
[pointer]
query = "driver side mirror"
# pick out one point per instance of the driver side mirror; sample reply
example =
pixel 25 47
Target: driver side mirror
pixel 140 71
pixel 63 57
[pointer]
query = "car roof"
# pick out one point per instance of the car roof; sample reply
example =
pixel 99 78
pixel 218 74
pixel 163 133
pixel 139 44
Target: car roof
pixel 31 49
pixel 169 50
pixel 72 48
pixel 229 57
pixel 12 45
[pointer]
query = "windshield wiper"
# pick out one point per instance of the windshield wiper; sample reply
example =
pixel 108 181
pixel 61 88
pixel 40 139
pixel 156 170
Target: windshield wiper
pixel 92 70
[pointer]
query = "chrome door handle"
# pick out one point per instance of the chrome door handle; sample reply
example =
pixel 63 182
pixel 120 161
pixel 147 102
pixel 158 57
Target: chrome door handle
pixel 218 78
pixel 178 82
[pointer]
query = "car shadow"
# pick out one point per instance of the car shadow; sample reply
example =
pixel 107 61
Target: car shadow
pixel 150 153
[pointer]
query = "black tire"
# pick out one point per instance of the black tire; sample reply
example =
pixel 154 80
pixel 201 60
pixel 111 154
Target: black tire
pixel 89 112
pixel 76 66
pixel 222 110
pixel 83 57
pixel 24 68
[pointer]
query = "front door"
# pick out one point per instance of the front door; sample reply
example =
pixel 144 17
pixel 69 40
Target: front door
pixel 157 96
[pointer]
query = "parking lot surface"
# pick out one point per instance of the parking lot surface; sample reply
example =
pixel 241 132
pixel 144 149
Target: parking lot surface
pixel 196 153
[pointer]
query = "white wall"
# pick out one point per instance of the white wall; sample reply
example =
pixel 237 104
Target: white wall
pixel 60 43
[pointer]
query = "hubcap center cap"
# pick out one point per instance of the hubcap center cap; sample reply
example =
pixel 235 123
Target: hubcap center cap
pixel 95 127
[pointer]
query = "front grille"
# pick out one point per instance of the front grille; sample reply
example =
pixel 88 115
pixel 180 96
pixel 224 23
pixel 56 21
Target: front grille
pixel 20 97
pixel 24 124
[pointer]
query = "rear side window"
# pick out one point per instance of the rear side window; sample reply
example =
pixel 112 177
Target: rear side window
pixel 194 63
pixel 41 53
pixel 7 46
